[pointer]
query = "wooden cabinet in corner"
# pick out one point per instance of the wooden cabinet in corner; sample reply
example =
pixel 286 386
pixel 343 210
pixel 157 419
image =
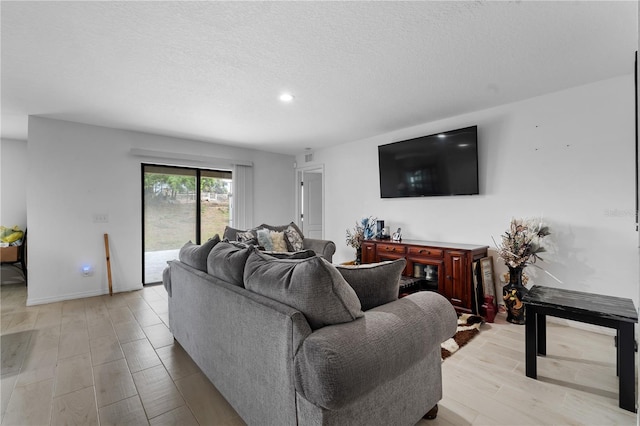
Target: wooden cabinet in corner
pixel 368 252
pixel 443 267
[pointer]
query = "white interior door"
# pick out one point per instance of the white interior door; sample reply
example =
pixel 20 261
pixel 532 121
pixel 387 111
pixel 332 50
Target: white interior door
pixel 311 202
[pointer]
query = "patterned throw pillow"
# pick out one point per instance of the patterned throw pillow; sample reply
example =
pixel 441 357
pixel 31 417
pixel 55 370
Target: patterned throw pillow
pixel 246 237
pixel 277 238
pixel 294 238
pixel 264 239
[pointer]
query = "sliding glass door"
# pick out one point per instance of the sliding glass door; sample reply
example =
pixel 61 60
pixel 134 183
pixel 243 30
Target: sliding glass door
pixel 215 202
pixel 179 205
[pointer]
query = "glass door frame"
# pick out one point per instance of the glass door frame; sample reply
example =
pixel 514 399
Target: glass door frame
pixel 198 216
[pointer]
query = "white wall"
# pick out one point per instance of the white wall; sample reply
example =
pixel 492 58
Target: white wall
pixel 79 170
pixel 13 175
pixel 638 159
pixel 567 155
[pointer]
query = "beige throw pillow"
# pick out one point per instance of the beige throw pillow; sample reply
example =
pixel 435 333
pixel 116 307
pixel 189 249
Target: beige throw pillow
pixel 277 239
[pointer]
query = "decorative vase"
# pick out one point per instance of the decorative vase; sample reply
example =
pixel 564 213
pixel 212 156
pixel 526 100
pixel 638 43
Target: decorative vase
pixel 358 256
pixel 488 309
pixel 512 294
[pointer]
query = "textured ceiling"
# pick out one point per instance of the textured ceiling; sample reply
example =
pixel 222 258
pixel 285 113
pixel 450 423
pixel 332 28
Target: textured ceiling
pixel 213 71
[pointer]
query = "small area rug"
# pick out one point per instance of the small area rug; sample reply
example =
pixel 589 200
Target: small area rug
pixel 468 328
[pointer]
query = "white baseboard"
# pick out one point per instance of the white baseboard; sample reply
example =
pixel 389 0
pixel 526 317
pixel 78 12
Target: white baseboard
pixel 72 296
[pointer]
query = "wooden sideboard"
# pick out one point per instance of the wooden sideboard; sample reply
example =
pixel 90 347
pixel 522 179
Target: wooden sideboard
pixel 444 267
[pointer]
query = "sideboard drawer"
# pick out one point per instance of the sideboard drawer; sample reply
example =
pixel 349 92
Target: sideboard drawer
pixel 425 251
pixel 390 248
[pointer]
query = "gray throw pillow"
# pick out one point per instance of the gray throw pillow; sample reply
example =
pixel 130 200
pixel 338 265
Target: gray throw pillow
pixel 264 239
pixel 226 261
pixel 195 255
pixel 231 233
pixel 302 254
pixel 374 283
pixel 313 286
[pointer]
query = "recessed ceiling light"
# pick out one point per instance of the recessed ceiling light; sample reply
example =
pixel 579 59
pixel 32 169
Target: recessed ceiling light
pixel 442 136
pixel 286 97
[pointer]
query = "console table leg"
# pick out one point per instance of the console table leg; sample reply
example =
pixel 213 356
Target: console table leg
pixel 626 366
pixel 541 324
pixel 617 342
pixel 531 343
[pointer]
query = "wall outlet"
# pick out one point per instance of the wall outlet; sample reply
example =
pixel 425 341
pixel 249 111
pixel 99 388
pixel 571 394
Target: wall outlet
pixel 100 218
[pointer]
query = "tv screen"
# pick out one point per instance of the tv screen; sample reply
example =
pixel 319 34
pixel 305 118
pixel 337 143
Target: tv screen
pixel 441 164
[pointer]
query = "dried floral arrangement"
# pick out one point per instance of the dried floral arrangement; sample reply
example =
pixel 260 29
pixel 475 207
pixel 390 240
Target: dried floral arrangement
pixel 522 242
pixel 364 230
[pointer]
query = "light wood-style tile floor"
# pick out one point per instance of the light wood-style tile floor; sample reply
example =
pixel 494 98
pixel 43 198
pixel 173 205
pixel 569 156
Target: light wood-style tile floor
pixel 484 383
pixel 112 360
pixel 101 360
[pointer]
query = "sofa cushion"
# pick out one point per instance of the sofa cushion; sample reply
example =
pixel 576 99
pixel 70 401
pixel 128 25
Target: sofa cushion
pixel 230 233
pixel 226 261
pixel 374 283
pixel 312 285
pixel 195 255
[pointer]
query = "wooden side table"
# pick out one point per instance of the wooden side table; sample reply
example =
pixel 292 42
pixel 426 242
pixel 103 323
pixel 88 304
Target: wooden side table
pixel 606 311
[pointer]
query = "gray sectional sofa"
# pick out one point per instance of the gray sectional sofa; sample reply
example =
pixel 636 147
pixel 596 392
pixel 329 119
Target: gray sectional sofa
pixel 286 342
pixel 293 237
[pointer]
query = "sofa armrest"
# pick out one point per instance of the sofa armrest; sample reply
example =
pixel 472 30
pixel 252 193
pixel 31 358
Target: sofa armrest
pixel 324 248
pixel 338 363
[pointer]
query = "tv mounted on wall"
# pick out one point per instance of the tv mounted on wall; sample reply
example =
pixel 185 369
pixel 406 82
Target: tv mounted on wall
pixel 442 164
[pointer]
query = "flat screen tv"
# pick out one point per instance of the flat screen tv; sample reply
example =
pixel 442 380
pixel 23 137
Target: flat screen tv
pixel 441 164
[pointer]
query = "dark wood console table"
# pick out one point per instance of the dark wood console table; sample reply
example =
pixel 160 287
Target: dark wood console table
pixel 444 267
pixel 606 311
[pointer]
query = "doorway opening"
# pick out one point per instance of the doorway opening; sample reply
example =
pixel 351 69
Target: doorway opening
pixel 180 204
pixel 310 203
